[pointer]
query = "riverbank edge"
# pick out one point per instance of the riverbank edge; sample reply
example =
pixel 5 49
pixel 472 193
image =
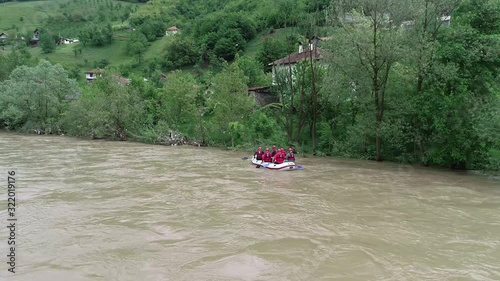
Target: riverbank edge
pixel 183 141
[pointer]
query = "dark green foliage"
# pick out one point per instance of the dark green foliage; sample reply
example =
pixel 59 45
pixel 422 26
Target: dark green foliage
pixel 97 35
pixel 136 45
pixel 273 49
pixel 180 52
pixel 253 71
pixel 34 98
pixel 47 41
pixel 151 28
pixel 102 63
pixel 224 34
pixel 106 109
pixel 9 61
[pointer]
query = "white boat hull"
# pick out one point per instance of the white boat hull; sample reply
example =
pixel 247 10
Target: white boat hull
pixel 285 166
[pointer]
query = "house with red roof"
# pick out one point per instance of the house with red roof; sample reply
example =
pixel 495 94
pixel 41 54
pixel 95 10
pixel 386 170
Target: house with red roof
pixel 171 30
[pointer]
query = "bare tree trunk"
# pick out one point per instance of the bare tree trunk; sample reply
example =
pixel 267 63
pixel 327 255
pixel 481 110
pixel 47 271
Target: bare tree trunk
pixel 376 89
pixel 290 117
pixel 301 111
pixel 314 103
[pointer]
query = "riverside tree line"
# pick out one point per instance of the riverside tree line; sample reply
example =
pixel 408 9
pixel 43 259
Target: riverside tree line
pixel 394 84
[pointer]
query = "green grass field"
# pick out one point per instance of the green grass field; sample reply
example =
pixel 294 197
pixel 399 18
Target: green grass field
pixel 155 49
pixel 65 55
pixel 33 13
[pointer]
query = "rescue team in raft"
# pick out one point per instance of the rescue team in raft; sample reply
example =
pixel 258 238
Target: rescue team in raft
pixel 277 156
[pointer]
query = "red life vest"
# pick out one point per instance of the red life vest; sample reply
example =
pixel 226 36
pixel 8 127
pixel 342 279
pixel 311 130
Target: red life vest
pixel 290 157
pixel 278 158
pixel 267 157
pixel 259 154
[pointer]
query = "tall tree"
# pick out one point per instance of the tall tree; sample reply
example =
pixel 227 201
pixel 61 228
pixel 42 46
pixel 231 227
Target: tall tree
pixel 177 101
pixel 422 30
pixel 230 101
pixel 34 98
pixel 136 46
pixel 368 47
pixel 462 90
pixel 106 109
pixel 47 42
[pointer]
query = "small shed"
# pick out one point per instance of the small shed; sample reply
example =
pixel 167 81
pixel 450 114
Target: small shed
pixel 263 95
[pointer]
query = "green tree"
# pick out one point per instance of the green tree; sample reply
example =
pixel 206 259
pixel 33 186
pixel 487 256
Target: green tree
pixel 136 46
pixel 47 42
pixel 230 101
pixel 9 61
pixel 177 101
pixel 106 109
pixel 179 52
pixel 462 91
pixel 421 34
pixel 368 47
pixel 253 71
pixel 273 49
pixel 34 98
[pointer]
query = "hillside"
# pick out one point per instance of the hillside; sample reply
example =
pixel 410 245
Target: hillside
pixel 208 31
pixel 68 19
pixel 22 17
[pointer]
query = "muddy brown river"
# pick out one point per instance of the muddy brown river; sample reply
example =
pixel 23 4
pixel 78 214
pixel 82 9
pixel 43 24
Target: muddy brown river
pixel 98 210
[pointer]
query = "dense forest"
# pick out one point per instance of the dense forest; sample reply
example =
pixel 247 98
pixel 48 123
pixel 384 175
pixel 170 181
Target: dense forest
pixel 398 80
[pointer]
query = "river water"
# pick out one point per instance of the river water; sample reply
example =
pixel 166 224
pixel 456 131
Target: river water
pixel 98 210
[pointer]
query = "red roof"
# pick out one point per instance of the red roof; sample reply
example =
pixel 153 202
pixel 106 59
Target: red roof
pixel 172 28
pixel 296 57
pixel 95 71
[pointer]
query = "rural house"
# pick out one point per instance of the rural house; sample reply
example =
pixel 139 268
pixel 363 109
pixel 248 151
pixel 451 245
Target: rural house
pixel 93 74
pixel 36 37
pixel 281 66
pixel 66 41
pixel 171 31
pixel 3 37
pixel 263 95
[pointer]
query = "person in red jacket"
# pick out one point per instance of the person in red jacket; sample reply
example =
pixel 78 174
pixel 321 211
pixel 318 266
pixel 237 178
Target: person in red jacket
pixel 290 156
pixel 283 152
pixel 267 157
pixel 258 154
pixel 278 158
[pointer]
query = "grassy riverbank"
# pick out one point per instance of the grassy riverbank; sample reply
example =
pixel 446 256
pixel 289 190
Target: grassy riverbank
pixel 246 152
